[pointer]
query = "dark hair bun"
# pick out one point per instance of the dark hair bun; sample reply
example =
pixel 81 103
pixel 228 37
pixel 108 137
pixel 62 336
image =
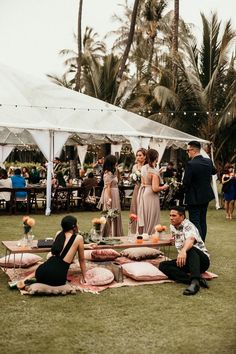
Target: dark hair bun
pixel 68 222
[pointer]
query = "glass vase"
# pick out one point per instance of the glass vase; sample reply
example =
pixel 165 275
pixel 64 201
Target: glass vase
pixel 96 233
pixel 131 236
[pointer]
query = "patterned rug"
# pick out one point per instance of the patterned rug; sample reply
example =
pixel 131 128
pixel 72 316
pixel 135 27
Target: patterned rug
pixel 74 276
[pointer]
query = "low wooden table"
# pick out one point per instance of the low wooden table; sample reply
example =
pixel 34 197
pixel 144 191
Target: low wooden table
pixel 11 247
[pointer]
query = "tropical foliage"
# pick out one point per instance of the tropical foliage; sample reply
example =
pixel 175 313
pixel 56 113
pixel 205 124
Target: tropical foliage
pixel 158 69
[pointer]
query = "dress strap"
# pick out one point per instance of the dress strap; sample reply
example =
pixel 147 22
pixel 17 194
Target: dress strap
pixel 68 246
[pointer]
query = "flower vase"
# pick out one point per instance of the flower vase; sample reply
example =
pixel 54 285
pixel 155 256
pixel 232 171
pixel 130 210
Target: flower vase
pixel 112 233
pixel 24 240
pixel 130 234
pixel 96 233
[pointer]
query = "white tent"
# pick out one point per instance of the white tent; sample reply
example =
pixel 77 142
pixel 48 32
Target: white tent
pixel 35 111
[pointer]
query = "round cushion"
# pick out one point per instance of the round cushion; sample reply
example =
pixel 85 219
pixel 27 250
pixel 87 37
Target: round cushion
pixel 99 276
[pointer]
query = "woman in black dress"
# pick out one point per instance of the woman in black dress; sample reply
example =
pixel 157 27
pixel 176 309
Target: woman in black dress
pixel 67 243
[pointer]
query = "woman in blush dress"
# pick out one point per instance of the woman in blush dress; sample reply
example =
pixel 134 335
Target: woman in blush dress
pixel 148 195
pixel 140 162
pixel 110 197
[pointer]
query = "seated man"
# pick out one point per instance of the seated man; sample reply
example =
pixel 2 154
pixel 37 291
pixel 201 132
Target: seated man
pixel 193 257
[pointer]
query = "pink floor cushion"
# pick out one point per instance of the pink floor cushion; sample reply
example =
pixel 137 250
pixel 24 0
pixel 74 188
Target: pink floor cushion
pixel 142 271
pixel 88 255
pixel 138 254
pixel 99 276
pixel 44 289
pixel 104 255
pixel 22 260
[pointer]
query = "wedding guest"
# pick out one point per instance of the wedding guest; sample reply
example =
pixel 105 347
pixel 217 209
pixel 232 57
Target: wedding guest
pixel 193 257
pixel 25 172
pixel 88 184
pixel 57 166
pixel 42 171
pixel 82 173
pixel 229 189
pixel 10 171
pixel 67 243
pixel 34 176
pixel 18 181
pixel 197 186
pixel 110 198
pixel 170 171
pixel 5 182
pixel 139 163
pixel 98 166
pixel 60 180
pixel 148 196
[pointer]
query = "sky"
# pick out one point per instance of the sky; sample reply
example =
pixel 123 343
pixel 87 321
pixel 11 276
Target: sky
pixel 32 32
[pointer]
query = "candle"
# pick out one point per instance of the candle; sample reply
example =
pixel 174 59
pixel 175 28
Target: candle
pixel 139 239
pixel 155 238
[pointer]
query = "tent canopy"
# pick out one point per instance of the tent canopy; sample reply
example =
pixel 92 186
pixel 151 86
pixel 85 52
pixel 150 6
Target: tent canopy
pixel 34 111
pixel 29 104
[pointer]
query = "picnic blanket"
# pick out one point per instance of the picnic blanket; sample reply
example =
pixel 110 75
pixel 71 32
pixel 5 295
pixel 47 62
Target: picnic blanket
pixel 74 276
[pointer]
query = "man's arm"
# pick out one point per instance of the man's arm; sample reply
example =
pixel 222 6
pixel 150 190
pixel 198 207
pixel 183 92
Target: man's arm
pixel 181 258
pixel 187 176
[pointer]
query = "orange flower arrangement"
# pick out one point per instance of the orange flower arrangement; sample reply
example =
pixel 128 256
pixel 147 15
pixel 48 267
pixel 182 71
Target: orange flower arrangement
pixel 160 228
pixel 28 223
pixel 97 222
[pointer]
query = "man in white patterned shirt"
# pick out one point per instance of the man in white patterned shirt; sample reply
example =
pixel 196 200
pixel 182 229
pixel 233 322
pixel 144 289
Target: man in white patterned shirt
pixel 193 257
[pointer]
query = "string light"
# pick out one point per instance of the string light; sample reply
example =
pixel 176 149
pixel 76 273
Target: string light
pixel 143 111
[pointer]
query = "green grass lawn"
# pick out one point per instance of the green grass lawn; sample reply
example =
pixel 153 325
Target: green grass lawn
pixel 143 319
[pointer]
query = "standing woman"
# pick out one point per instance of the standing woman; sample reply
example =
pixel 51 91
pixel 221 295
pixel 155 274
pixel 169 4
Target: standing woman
pixel 148 195
pixel 110 198
pixel 229 189
pixel 140 162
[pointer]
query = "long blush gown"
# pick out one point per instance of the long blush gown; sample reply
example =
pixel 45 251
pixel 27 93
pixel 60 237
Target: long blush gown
pixel 133 205
pixel 117 229
pixel 148 202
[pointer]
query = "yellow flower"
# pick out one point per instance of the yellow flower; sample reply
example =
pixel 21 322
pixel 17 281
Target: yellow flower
pixel 103 220
pixel 31 222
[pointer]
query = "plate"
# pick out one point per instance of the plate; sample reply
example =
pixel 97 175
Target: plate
pixel 110 242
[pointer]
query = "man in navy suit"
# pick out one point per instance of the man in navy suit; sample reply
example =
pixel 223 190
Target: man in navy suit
pixel 197 185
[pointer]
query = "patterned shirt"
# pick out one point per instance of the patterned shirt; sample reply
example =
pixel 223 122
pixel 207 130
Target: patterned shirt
pixel 185 230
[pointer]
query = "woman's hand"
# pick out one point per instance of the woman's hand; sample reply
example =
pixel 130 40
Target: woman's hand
pixel 165 187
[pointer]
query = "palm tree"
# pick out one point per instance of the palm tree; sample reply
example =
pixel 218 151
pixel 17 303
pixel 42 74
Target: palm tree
pixel 61 81
pixel 152 13
pixel 175 36
pixel 129 41
pixel 206 85
pixel 100 78
pixel 92 50
pixel 79 58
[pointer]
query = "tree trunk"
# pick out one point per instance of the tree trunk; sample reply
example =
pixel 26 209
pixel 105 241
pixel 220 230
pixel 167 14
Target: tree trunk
pixel 175 34
pixel 79 59
pixel 129 41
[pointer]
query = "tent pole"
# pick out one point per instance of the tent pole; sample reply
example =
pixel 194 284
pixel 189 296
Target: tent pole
pixel 49 175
